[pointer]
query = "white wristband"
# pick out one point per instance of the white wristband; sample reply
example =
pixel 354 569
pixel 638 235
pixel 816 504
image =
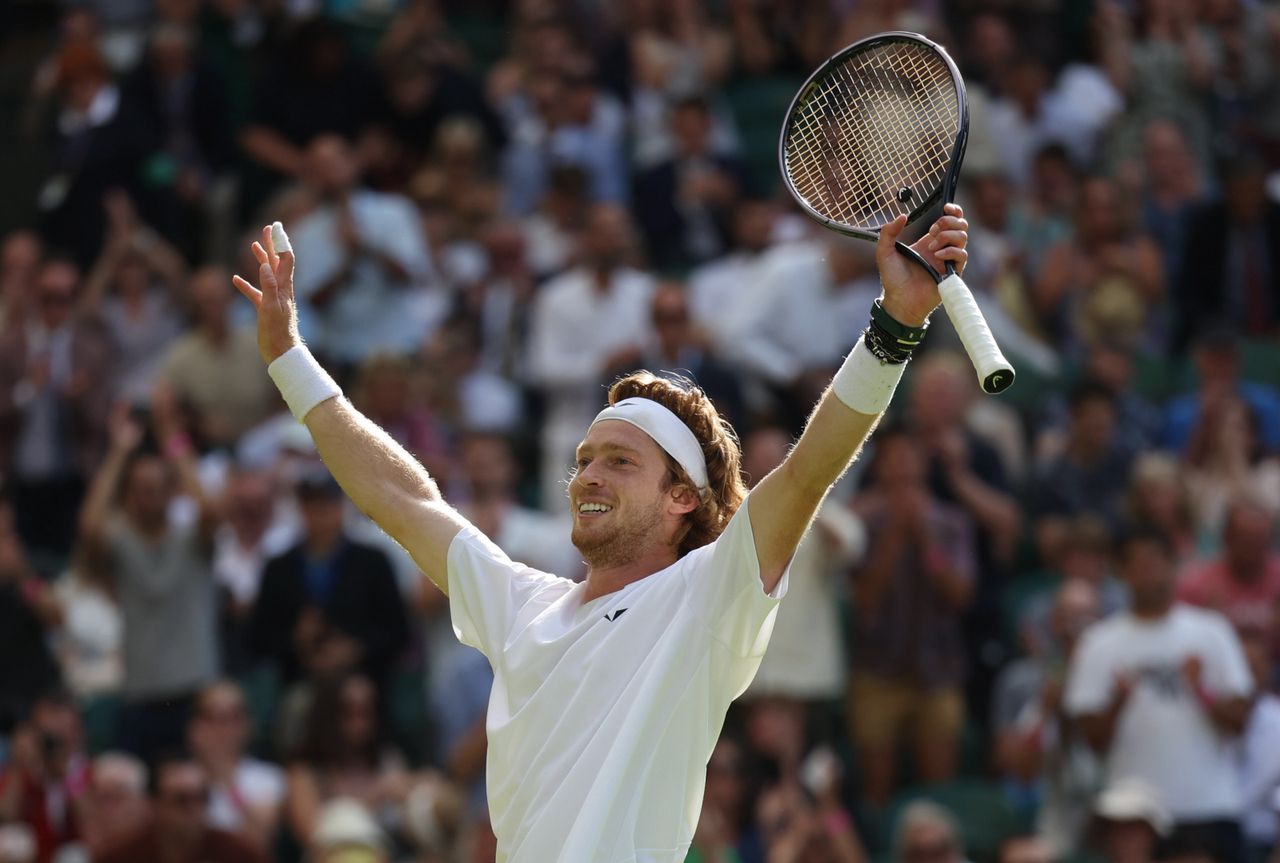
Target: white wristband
pixel 864 383
pixel 302 381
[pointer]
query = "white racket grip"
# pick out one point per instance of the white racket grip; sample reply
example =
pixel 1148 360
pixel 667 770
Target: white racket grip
pixel 995 374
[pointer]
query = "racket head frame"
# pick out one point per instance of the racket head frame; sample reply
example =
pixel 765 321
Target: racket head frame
pixel 945 191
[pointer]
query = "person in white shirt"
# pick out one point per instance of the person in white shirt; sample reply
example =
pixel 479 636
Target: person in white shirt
pixel 245 794
pixel 609 694
pixel 368 284
pixel 585 322
pixel 1162 691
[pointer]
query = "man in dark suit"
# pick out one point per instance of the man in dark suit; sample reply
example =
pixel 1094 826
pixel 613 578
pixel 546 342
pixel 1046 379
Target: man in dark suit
pixel 329 604
pixel 1232 269
pixel 684 204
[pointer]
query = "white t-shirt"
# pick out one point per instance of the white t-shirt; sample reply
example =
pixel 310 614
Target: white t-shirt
pixel 1164 736
pixel 603 715
pixel 256 784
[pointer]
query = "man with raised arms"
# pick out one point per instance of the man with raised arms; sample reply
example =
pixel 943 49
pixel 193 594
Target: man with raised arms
pixel 609 694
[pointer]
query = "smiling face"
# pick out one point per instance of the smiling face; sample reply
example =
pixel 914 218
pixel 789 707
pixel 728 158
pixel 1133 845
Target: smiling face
pixel 621 498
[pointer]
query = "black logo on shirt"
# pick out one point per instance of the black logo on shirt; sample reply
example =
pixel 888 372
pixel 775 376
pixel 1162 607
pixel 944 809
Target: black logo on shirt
pixel 615 616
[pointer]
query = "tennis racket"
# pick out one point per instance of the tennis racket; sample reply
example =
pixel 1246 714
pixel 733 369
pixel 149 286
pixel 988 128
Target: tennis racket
pixel 878 131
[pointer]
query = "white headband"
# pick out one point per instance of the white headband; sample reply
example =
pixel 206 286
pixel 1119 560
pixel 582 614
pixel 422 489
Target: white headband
pixel 667 430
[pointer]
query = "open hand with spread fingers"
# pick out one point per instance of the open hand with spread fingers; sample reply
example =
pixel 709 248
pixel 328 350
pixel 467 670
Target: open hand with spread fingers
pixel 273 298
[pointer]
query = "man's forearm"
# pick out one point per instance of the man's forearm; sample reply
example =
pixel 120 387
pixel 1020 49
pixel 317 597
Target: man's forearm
pixel 386 483
pixel 784 502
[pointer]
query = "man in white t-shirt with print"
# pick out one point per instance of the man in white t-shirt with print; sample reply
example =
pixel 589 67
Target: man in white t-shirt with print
pixel 1162 691
pixel 609 694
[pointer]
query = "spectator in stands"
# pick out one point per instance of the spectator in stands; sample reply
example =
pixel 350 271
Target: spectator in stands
pixel 20 256
pixel 684 203
pixel 1110 364
pixel 728 804
pixel 805 660
pixel 1132 822
pixel 1159 497
pixel 1107 281
pixel 1232 270
pixel 1090 473
pixel 1161 678
pixel 500 304
pixel 368 264
pixel 1083 551
pixel 917 576
pixel 245 794
pixel 1258 759
pixel 1039 752
pixel 184 99
pixel 565 120
pixel 47 773
pixel 115 805
pixel 177 831
pixel 135 287
pixel 1226 460
pixel 161 572
pixel 1173 191
pixel 717 284
pixel 328 605
pixel 55 387
pixel 316 85
pixel 89 635
pixel 965 445
pixel 1216 355
pixel 26 665
pixel 424 90
pixel 253 533
pixel 344 753
pixel 678 348
pixel 99 143
pixel 590 319
pixel 1243 583
pixel 207 367
pixel 555 230
pixel 927 832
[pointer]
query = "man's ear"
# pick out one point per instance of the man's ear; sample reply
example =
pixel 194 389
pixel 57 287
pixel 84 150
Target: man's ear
pixel 684 499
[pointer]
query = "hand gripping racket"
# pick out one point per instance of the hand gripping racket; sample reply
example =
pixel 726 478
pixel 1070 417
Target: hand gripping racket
pixel 878 131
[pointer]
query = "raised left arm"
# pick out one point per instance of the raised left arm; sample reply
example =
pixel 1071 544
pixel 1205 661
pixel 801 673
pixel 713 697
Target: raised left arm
pixel 784 503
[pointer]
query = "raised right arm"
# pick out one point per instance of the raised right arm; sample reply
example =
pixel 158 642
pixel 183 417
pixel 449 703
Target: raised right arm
pixel 380 477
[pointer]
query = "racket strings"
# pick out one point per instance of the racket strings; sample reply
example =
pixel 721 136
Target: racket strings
pixel 879 122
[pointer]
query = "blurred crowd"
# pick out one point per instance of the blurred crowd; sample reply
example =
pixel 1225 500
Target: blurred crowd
pixel 1040 627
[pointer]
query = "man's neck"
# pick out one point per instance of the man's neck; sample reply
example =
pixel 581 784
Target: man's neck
pixel 603 580
pixel 1153 613
pixel 322 548
pixel 216 335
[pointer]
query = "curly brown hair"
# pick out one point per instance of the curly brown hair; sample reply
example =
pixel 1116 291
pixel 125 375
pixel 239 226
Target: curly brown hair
pixel 720 446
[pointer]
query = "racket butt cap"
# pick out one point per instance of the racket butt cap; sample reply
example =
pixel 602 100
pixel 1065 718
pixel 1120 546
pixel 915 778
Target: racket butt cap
pixel 998 381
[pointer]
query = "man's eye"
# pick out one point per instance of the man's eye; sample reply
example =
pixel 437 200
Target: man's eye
pixel 621 460
pixel 583 462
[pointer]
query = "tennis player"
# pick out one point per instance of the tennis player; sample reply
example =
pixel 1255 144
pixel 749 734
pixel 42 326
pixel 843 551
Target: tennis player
pixel 609 694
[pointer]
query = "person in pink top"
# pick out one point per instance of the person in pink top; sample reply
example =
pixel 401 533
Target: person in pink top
pixel 1243 582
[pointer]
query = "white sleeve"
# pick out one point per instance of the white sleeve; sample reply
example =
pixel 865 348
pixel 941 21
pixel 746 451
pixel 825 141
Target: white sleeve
pixel 725 588
pixel 487 590
pixel 1227 670
pixel 1089 678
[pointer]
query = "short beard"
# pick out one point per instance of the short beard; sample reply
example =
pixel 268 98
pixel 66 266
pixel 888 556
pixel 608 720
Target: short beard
pixel 623 542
